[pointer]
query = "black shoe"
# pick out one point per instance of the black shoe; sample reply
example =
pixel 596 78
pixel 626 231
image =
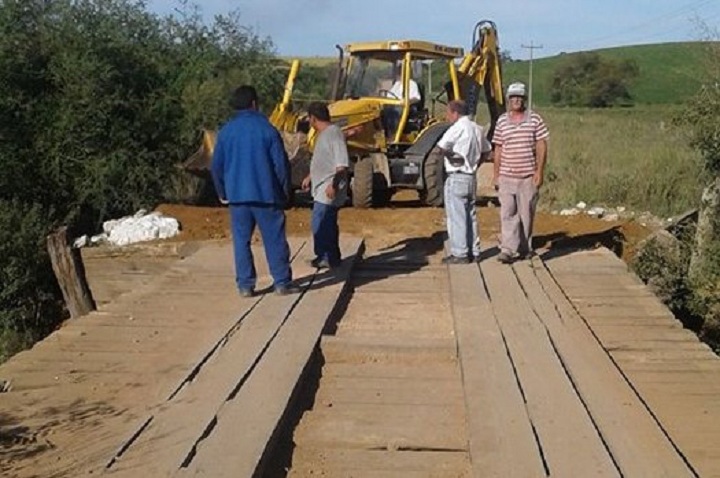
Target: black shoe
pixel 247 292
pixel 287 289
pixel 455 260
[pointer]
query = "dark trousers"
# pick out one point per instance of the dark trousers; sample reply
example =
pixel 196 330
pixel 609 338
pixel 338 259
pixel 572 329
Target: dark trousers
pixel 271 221
pixel 326 233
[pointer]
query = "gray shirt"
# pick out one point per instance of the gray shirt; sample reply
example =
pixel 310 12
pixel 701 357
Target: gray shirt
pixel 329 154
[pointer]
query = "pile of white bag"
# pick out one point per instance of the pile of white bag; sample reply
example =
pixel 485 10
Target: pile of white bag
pixel 140 227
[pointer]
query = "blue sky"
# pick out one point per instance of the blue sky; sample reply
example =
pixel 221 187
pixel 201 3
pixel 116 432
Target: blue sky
pixel 313 27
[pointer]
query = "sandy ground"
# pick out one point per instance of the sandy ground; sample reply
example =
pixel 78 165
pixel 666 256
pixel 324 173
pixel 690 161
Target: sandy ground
pixel 406 219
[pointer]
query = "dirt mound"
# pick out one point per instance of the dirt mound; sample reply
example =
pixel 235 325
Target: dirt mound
pixel 405 218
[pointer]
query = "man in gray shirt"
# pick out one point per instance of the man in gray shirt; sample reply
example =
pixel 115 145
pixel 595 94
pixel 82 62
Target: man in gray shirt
pixel 328 180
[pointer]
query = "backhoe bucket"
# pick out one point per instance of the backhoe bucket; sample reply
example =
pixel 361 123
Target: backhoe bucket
pixel 199 163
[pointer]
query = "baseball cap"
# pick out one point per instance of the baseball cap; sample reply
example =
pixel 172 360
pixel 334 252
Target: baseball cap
pixel 516 89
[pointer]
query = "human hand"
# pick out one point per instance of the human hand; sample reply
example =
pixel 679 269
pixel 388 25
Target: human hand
pixel 330 191
pixel 306 184
pixel 538 179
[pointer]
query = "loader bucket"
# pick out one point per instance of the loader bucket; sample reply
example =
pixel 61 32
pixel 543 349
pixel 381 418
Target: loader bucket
pixel 295 145
pixel 199 163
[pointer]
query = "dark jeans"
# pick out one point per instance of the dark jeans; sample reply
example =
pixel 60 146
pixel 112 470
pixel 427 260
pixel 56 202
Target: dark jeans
pixel 391 119
pixel 326 233
pixel 271 221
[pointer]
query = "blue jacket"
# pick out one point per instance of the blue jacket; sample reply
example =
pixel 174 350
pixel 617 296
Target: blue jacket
pixel 249 163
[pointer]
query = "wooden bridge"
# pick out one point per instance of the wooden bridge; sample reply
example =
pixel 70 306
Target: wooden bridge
pixel 390 366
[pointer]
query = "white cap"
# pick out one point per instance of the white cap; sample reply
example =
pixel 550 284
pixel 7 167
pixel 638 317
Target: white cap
pixel 516 89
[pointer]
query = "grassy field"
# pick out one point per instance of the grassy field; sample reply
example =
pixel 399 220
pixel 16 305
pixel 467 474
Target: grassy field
pixel 632 157
pixel 668 71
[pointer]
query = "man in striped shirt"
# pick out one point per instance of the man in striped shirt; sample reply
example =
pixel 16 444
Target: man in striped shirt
pixel 520 153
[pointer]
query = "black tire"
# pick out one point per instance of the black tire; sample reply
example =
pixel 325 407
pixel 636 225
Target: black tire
pixel 381 191
pixel 434 177
pixel 362 183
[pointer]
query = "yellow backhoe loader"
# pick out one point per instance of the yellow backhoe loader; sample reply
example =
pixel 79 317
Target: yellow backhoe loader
pixel 391 139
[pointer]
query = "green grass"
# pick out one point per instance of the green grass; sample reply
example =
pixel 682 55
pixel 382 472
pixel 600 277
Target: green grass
pixel 668 71
pixel 632 157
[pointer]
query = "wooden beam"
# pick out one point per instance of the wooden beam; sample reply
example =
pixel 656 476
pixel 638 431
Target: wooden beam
pixel 70 273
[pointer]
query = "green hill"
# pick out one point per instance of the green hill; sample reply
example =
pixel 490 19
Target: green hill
pixel 669 72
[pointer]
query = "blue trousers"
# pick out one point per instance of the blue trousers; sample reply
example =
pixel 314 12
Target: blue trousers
pixel 271 221
pixel 326 233
pixel 461 216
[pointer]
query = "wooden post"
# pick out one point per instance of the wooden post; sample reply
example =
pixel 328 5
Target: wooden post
pixel 70 273
pixel 707 234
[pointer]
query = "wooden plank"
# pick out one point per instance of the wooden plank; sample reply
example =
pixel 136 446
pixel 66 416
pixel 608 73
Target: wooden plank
pixel 114 410
pixel 437 371
pixel 557 412
pixel 168 440
pixel 621 322
pixel 386 349
pixel 383 391
pixel 687 411
pixel 501 437
pixel 263 399
pixel 383 426
pixel 397 463
pixel 639 446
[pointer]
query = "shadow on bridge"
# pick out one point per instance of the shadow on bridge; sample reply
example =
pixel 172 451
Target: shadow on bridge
pixel 559 244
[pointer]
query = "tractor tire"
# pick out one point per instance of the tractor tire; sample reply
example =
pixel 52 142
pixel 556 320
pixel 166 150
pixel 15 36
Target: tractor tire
pixel 434 177
pixel 362 183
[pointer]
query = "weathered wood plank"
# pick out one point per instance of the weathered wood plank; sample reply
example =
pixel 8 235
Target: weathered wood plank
pixel 545 383
pixel 168 441
pixel 262 400
pixel 638 444
pixel 501 437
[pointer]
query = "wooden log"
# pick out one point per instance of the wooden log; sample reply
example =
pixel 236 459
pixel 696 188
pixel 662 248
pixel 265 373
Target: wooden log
pixel 70 273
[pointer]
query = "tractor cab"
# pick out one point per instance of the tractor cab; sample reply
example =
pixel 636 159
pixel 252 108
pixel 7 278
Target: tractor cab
pixel 394 79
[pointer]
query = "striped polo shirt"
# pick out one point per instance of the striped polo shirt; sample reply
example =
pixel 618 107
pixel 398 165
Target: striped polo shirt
pixel 518 144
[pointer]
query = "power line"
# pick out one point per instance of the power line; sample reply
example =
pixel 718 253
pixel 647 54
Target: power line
pixel 532 47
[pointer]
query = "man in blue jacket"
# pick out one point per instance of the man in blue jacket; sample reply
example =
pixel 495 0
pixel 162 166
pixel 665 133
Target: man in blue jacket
pixel 251 173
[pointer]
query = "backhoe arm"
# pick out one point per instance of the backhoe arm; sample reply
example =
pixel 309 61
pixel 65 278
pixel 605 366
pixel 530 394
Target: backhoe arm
pixel 481 68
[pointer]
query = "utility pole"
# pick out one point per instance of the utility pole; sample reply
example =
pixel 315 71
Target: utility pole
pixel 532 47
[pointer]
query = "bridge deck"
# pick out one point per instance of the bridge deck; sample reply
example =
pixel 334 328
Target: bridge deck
pixel 565 365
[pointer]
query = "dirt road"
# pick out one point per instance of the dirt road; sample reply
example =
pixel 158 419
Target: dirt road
pixel 405 218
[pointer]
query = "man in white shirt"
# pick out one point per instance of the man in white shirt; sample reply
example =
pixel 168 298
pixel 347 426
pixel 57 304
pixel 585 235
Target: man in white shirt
pixel 464 146
pixel 396 90
pixel 392 113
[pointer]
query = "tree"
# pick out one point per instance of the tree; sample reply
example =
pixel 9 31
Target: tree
pixel 587 79
pixel 99 99
pixel 703 124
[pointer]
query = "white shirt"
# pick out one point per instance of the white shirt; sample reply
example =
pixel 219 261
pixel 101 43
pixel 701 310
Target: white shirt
pixel 397 91
pixel 466 139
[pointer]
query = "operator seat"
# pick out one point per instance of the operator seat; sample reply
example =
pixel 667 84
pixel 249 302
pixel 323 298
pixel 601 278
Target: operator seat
pixel 417 119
